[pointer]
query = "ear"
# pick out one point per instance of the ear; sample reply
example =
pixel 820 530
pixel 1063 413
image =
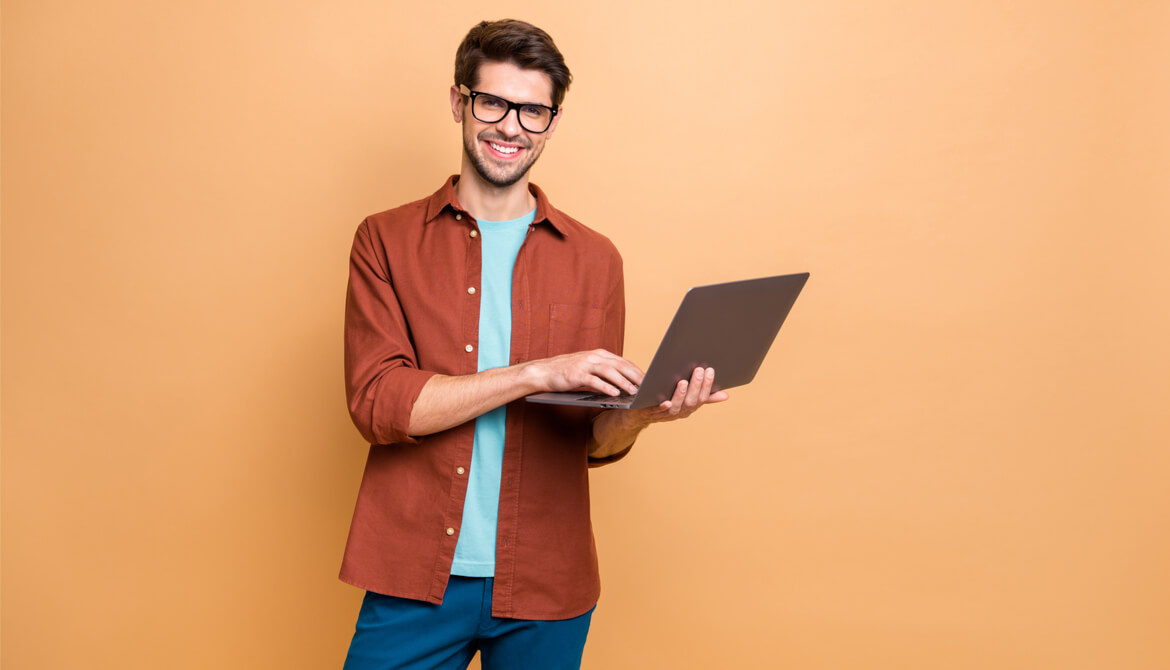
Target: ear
pixel 456 104
pixel 556 120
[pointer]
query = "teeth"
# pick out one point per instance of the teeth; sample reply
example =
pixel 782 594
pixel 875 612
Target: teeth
pixel 504 150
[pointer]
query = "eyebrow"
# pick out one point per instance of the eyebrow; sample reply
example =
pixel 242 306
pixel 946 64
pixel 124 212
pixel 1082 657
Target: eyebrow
pixel 515 102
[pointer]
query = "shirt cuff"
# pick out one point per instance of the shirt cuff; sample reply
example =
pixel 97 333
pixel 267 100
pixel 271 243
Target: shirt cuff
pixel 395 396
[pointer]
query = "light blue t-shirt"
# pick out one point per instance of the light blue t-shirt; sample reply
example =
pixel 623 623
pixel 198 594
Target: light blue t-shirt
pixel 475 552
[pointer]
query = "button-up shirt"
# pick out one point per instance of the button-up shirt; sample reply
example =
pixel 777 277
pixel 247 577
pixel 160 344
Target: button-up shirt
pixel 412 310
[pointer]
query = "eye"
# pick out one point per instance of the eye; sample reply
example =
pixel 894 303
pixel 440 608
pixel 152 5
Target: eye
pixel 491 102
pixel 533 111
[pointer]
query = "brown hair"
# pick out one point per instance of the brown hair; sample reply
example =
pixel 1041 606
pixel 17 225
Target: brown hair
pixel 511 41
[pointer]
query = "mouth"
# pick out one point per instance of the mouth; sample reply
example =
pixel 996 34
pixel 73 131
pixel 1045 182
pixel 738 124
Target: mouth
pixel 503 150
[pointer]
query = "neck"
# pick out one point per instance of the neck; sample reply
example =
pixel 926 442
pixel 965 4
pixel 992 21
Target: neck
pixel 492 203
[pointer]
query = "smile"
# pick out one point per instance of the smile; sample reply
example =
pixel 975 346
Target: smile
pixel 507 151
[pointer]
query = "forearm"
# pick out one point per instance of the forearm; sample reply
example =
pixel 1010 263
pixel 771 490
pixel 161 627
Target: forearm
pixel 447 401
pixel 614 431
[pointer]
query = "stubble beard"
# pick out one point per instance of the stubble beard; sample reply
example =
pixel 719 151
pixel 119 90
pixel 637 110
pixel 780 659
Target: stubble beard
pixel 500 177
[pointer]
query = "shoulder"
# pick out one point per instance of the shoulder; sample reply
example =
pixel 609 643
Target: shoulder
pixel 409 219
pixel 397 219
pixel 571 230
pixel 581 236
pixel 380 237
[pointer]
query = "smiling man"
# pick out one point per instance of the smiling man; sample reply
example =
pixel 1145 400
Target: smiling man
pixel 471 530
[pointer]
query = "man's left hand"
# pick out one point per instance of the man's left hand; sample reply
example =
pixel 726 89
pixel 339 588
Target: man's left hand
pixel 688 397
pixel 614 431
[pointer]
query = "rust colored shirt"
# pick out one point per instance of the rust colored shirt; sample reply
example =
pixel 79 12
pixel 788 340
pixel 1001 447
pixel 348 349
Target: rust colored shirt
pixel 411 313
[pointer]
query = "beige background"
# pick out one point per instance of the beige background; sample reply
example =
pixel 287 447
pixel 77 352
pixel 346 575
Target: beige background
pixel 955 457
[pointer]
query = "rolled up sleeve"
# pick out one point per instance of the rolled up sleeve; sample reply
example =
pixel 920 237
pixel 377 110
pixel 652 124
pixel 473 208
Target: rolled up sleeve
pixel 382 379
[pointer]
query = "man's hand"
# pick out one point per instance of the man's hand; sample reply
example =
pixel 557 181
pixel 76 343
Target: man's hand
pixel 616 430
pixel 446 401
pixel 688 397
pixel 597 370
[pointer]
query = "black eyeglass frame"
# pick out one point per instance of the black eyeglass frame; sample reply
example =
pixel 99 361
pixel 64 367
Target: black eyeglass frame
pixel 511 105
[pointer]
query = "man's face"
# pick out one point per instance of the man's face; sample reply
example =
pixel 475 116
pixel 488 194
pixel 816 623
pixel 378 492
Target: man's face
pixel 502 152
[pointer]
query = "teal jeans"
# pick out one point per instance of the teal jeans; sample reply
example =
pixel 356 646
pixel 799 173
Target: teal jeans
pixel 401 634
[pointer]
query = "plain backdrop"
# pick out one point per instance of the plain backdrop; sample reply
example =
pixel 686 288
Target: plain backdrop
pixel 956 455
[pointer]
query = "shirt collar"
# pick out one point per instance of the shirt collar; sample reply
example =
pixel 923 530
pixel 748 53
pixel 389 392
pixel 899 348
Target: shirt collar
pixel 445 197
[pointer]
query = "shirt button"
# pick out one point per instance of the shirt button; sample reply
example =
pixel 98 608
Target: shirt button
pixel 469 348
pixel 474 233
pixel 471 290
pixel 459 470
pixel 458 217
pixel 450 531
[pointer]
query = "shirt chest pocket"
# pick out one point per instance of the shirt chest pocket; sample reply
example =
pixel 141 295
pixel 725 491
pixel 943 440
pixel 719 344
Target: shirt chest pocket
pixel 574 328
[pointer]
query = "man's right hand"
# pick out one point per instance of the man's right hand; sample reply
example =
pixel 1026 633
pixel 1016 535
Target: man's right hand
pixel 597 370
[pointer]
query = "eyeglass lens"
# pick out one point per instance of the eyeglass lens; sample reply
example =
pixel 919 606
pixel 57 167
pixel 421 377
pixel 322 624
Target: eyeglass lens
pixel 490 109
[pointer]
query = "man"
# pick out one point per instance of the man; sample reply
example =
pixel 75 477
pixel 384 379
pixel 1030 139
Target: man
pixel 471 530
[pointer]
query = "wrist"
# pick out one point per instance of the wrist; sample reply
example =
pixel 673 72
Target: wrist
pixel 614 431
pixel 627 420
pixel 530 378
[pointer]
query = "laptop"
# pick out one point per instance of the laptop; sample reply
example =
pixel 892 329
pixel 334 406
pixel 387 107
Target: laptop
pixel 728 327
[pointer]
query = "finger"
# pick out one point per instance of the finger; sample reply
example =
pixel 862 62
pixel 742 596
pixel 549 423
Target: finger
pixel 667 409
pixel 708 383
pixel 662 412
pixel 618 371
pixel 633 372
pixel 655 414
pixel 718 396
pixel 595 371
pixel 595 383
pixel 695 390
pixel 628 370
pixel 619 379
pixel 679 398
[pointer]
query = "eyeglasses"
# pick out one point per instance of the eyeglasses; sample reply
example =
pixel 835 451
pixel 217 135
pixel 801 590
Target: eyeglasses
pixel 490 108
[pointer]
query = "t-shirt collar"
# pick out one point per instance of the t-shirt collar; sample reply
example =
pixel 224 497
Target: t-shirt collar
pixel 445 197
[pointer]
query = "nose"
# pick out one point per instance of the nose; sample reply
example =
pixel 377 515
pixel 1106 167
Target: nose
pixel 510 124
